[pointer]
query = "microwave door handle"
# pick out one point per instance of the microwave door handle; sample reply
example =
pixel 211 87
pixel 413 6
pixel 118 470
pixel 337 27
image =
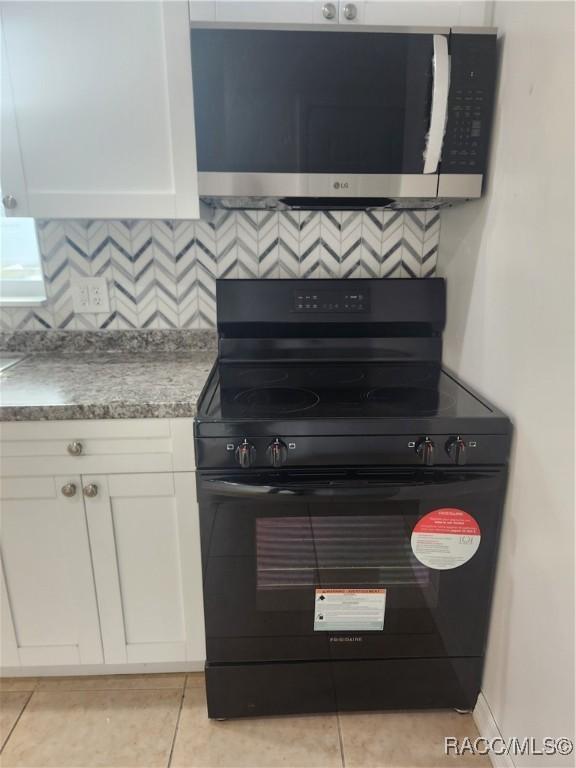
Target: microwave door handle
pixel 439 108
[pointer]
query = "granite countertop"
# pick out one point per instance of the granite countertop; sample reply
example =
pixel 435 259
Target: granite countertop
pixel 77 380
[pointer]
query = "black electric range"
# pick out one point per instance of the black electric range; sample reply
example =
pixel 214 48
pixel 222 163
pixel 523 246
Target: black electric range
pixel 350 495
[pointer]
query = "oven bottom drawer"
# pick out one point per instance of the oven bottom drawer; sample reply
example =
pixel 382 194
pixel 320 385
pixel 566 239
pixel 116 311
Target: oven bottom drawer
pixel 243 690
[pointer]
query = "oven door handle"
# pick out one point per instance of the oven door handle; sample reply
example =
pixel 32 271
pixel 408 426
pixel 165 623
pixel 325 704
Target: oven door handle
pixel 230 488
pixel 398 490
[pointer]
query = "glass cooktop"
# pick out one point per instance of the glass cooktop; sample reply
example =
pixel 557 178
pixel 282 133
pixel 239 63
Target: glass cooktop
pixel 371 390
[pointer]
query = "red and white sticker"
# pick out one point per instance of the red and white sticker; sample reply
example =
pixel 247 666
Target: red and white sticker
pixel 445 538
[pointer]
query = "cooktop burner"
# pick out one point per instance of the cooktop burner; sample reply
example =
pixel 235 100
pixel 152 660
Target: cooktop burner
pixel 421 402
pixel 262 377
pixel 268 401
pixel 337 375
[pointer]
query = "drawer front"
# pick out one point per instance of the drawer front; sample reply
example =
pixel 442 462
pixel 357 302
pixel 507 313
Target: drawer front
pixel 107 446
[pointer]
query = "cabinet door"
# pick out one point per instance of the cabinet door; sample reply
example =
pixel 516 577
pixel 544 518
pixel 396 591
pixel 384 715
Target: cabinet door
pixel 422 13
pixel 49 614
pixel 265 11
pixel 100 111
pixel 146 552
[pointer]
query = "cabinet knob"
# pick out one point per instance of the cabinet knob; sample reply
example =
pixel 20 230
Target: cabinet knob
pixel 9 202
pixel 91 490
pixel 69 490
pixel 329 11
pixel 350 11
pixel 75 448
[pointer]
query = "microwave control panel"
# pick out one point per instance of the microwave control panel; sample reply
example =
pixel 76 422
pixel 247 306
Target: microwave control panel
pixel 470 103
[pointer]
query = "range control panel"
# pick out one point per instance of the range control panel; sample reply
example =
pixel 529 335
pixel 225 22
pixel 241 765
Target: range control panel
pixel 276 451
pixel 331 300
pixel 470 103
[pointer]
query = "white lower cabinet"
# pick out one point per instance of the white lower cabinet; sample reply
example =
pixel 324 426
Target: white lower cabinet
pixel 100 569
pixel 142 529
pixel 49 613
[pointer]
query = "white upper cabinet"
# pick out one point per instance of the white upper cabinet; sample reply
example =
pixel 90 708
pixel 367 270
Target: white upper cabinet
pixel 97 110
pixel 438 13
pixel 265 11
pixel 426 13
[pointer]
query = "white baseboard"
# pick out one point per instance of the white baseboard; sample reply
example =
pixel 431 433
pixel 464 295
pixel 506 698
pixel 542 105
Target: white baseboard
pixel 488 729
pixel 102 669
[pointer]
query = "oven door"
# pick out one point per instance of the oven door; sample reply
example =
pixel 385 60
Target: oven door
pixel 303 113
pixel 325 565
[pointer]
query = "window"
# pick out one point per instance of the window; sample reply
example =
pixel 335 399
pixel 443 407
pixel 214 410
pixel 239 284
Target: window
pixel 21 278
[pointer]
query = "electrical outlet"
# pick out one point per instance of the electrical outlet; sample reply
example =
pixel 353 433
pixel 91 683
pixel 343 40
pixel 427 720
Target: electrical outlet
pixel 90 295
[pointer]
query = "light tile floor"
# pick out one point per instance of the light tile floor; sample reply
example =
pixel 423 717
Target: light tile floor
pixel 144 721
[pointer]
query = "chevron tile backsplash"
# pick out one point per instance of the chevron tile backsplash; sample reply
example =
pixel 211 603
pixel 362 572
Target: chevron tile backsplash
pixel 161 274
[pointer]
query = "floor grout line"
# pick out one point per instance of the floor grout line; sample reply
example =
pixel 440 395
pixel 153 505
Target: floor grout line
pixel 169 763
pixel 340 739
pixel 106 690
pixel 11 731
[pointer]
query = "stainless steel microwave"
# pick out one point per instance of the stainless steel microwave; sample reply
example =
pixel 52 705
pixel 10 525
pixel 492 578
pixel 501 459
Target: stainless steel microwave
pixel 364 117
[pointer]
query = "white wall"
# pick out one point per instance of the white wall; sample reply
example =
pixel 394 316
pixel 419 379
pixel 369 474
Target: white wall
pixel 509 261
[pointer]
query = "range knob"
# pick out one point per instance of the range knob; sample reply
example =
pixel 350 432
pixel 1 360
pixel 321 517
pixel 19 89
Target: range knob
pixel 277 453
pixel 425 449
pixel 245 454
pixel 456 449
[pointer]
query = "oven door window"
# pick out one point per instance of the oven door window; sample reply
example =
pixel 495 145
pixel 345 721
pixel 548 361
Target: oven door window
pixel 266 556
pixel 271 101
pixel 357 557
pixel 335 551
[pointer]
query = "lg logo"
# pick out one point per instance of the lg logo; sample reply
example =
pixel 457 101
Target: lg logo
pixel 340 185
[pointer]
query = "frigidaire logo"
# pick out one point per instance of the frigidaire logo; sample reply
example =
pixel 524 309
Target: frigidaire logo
pixel 340 185
pixel 346 639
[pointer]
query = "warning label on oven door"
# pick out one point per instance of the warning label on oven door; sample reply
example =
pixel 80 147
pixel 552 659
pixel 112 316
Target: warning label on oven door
pixel 345 609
